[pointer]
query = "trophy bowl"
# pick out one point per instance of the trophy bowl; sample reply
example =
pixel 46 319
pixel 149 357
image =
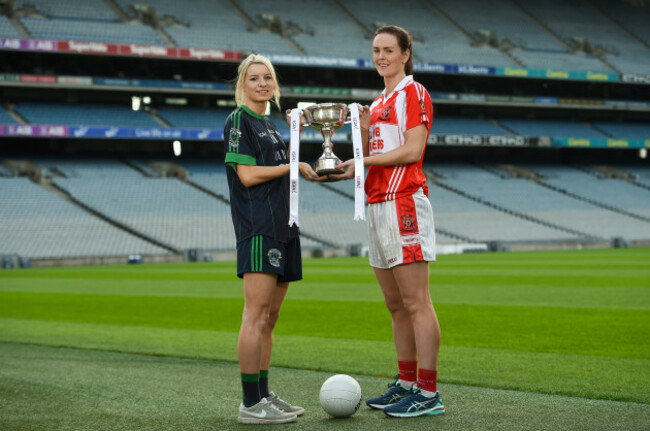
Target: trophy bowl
pixel 327 117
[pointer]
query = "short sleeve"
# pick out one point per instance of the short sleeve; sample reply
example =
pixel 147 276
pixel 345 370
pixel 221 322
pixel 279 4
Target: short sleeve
pixel 239 148
pixel 419 109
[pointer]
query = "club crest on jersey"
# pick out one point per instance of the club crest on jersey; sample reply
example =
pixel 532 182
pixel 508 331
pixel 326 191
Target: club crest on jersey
pixel 385 114
pixel 408 223
pixel 233 138
pixel 423 108
pixel 275 256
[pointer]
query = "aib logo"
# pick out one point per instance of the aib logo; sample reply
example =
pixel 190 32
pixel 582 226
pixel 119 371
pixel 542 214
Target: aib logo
pixel 294 125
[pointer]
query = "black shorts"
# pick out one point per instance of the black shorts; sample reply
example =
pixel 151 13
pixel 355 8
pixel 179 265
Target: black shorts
pixel 263 254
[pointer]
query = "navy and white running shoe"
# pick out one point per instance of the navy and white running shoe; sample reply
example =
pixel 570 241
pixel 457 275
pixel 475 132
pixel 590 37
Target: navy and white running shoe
pixel 394 394
pixel 415 405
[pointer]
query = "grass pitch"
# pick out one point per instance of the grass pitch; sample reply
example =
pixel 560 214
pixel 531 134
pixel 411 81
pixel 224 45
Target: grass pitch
pixel 547 339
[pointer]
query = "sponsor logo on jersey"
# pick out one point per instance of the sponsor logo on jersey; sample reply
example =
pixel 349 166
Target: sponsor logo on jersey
pixel 385 114
pixel 233 138
pixel 274 257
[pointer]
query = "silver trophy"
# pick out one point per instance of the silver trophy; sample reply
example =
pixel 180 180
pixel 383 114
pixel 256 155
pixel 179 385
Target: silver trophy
pixel 327 117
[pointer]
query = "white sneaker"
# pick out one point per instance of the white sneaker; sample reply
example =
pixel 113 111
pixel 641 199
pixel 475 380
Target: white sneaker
pixel 263 413
pixel 284 406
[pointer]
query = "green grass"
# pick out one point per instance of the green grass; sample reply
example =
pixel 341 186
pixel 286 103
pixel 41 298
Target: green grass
pixel 572 323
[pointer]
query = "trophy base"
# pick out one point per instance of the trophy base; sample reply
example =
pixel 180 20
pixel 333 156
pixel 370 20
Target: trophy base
pixel 323 172
pixel 327 166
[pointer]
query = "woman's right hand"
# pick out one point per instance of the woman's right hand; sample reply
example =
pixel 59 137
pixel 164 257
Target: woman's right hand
pixel 348 174
pixel 303 120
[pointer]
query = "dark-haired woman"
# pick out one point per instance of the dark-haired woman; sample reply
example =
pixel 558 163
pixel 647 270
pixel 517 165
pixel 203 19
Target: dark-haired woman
pixel 402 241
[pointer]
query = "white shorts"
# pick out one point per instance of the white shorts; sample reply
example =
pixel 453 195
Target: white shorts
pixel 401 231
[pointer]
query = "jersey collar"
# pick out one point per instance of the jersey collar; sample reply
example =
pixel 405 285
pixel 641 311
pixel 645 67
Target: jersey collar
pixel 248 110
pixel 403 83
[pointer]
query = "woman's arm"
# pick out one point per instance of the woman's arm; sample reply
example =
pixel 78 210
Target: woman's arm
pixel 251 175
pixel 410 152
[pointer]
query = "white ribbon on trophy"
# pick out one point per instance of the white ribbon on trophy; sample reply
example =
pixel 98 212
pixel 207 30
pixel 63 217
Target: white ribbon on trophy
pixel 294 171
pixel 357 147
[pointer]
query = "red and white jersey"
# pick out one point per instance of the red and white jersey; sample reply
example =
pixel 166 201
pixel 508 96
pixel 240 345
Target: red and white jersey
pixel 407 106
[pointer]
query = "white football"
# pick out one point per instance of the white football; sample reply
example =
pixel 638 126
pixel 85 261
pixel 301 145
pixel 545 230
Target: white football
pixel 340 396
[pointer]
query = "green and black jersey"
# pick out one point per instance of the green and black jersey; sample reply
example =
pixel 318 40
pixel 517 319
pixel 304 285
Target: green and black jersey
pixel 253 139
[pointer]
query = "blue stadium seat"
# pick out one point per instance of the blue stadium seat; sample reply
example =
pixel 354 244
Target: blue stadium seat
pixel 86 114
pixel 547 127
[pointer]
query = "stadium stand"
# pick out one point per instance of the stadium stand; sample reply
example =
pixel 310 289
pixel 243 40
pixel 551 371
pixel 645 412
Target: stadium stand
pixel 547 127
pixel 640 174
pixel 96 10
pixel 466 125
pixel 6 29
pixel 623 130
pixel 436 40
pixel 547 205
pixel 200 19
pixel 5 118
pixel 633 19
pixel 193 117
pixel 611 191
pixel 162 208
pixel 572 21
pixel 309 33
pixel 516 33
pixel 101 206
pixel 39 224
pixel 91 31
pixel 478 222
pixel 86 114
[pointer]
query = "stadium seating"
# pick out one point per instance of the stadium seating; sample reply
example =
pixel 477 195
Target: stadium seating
pixel 76 9
pixel 40 224
pixel 327 39
pixel 213 25
pixel 571 19
pixel 466 125
pixel 91 31
pixel 478 222
pixel 87 114
pixel 192 117
pixel 611 191
pixel 633 18
pixel 478 204
pixel 435 39
pixel 547 127
pixel 6 29
pixel 529 198
pixel 624 130
pixel 472 203
pixel 446 31
pixel 533 45
pixel 5 118
pixel 163 208
pixel 640 173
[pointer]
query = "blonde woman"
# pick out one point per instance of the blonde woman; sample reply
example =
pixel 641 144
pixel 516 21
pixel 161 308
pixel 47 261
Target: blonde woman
pixel 268 250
